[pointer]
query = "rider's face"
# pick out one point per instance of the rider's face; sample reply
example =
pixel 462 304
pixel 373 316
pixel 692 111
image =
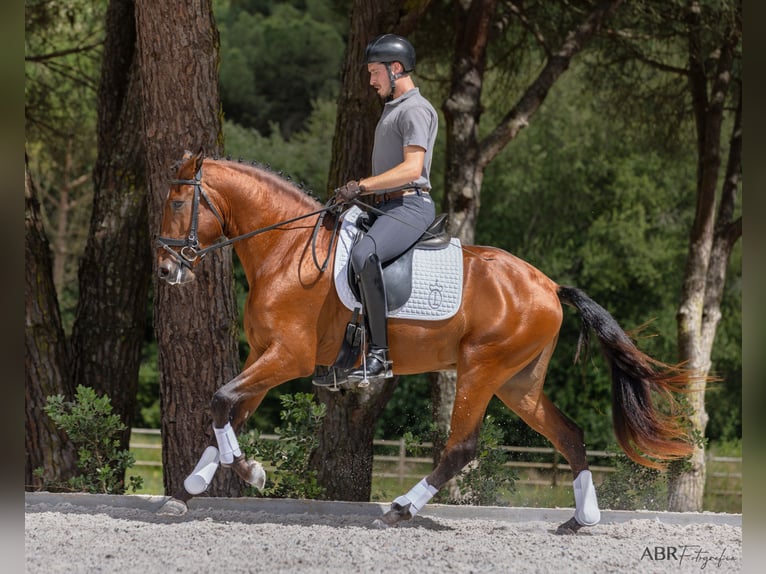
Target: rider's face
pixel 379 79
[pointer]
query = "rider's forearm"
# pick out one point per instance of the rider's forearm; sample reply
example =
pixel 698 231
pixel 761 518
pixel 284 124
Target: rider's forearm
pixel 409 170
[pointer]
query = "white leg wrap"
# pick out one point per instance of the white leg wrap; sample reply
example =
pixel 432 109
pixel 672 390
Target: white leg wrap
pixel 200 478
pixel 586 505
pixel 417 497
pixel 227 443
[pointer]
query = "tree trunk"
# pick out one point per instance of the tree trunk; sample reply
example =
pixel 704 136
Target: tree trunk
pixel 343 458
pixel 443 388
pixel 467 156
pixel 196 324
pixel 358 106
pixel 46 358
pixel 60 241
pixel 116 265
pixel 462 111
pixel 711 241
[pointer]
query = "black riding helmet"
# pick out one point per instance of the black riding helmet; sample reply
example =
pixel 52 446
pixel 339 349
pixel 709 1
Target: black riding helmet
pixel 391 48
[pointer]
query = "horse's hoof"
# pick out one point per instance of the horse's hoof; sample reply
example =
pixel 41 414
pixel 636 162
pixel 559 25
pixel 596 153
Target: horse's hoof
pixel 173 507
pixel 257 475
pixel 397 514
pixel 250 471
pixel 570 527
pixel 379 524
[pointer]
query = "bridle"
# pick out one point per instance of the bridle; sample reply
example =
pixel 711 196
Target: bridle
pixel 188 249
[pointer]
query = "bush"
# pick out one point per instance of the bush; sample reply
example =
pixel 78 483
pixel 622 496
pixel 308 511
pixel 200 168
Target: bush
pixel 93 429
pixel 486 478
pixel 483 480
pixel 633 487
pixel 289 455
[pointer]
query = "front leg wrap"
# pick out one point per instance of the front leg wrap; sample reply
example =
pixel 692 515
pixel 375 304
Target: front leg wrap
pixel 416 498
pixel 227 444
pixel 200 478
pixel 252 472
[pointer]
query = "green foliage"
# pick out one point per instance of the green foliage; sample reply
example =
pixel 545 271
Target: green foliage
pixel 597 191
pixel 62 44
pixel 606 210
pixel 148 391
pixel 305 156
pixel 408 412
pixel 633 487
pixel 93 429
pixel 276 59
pixel 641 79
pixel 486 480
pixel 289 455
pixel 483 481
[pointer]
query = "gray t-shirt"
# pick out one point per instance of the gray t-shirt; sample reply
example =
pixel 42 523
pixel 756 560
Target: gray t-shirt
pixel 410 119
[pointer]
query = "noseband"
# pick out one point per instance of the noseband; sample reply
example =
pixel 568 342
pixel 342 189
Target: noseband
pixel 189 250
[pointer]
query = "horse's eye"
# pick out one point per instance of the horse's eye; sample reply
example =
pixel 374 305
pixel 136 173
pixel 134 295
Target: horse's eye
pixel 177 204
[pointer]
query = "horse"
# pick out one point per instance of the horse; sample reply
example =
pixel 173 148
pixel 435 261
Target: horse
pixel 499 341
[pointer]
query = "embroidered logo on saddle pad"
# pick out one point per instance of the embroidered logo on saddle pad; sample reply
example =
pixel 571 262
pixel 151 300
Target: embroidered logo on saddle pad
pixel 437 277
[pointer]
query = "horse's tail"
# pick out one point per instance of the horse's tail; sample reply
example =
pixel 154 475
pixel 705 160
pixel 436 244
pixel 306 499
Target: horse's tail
pixel 648 436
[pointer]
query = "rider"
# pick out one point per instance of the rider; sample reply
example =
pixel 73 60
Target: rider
pixel 399 184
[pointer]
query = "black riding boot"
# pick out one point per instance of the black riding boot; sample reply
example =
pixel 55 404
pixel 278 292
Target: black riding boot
pixel 378 365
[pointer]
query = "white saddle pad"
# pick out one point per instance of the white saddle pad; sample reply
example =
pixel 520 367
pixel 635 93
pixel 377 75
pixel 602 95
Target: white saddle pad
pixel 437 277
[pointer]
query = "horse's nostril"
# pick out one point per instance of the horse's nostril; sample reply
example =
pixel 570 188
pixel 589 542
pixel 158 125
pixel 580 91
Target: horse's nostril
pixel 163 271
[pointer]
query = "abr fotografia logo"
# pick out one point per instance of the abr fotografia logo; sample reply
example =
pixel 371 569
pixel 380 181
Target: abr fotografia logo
pixel 687 553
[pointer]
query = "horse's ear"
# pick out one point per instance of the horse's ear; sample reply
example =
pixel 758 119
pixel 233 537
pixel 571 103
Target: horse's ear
pixel 187 155
pixel 198 159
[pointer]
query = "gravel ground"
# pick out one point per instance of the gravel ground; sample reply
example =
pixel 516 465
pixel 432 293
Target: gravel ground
pixel 70 538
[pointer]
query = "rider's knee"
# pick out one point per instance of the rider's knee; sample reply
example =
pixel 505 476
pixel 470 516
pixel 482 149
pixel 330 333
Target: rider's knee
pixel 361 253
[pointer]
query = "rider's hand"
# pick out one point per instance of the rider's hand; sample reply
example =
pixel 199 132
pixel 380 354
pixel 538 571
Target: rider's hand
pixel 347 192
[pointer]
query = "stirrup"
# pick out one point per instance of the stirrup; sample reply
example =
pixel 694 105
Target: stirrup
pixel 362 376
pixel 334 379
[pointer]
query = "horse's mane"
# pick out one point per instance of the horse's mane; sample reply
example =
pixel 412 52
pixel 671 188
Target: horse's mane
pixel 264 170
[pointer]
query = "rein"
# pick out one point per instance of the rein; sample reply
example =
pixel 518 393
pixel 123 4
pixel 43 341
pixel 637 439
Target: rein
pixel 189 250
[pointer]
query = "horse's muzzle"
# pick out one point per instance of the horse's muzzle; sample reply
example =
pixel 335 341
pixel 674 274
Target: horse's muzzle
pixel 175 274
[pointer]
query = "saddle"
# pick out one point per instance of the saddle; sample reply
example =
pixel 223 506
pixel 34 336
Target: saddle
pixel 397 273
pixel 398 282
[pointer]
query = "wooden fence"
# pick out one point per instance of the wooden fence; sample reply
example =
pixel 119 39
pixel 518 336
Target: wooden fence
pixel 537 465
pixel 542 466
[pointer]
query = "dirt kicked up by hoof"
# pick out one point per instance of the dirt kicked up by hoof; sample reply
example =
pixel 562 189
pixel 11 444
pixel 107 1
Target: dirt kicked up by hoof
pixel 378 524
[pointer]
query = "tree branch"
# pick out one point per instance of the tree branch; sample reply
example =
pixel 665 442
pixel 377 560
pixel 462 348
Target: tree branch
pixel 532 99
pixel 534 30
pixel 627 39
pixel 410 20
pixel 730 231
pixel 62 53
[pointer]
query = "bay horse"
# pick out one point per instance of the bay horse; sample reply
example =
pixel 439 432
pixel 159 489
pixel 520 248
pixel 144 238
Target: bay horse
pixel 499 342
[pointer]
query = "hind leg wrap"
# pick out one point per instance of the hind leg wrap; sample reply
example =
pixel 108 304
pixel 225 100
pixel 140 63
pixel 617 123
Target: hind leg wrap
pixel 586 505
pixel 417 497
pixel 227 443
